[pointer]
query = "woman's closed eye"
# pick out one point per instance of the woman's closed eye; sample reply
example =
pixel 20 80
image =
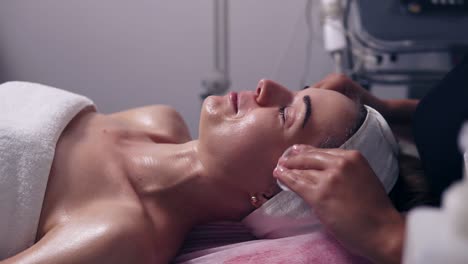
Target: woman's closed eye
pixel 282 113
pixel 287 115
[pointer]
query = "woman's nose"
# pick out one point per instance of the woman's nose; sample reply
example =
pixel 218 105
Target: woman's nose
pixel 271 93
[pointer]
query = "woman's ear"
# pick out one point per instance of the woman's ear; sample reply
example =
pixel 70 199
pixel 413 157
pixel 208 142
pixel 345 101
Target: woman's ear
pixel 258 199
pixel 272 191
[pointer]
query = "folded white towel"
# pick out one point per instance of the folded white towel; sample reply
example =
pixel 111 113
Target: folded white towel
pixel 32 117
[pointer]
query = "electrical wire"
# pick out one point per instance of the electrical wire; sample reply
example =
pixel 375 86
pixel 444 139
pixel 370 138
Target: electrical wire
pixel 308 51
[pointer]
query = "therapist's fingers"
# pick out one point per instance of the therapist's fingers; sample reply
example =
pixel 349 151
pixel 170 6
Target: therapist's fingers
pixel 303 148
pixel 307 157
pixel 345 156
pixel 312 159
pixel 324 81
pixel 337 152
pixel 299 181
pixel 332 81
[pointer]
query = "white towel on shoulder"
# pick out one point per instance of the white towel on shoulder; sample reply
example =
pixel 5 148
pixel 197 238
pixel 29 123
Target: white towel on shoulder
pixel 32 117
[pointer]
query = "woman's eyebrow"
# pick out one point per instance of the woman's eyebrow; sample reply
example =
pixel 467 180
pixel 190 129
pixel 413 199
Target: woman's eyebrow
pixel 308 110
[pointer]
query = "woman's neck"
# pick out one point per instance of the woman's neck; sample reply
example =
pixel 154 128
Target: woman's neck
pixel 175 188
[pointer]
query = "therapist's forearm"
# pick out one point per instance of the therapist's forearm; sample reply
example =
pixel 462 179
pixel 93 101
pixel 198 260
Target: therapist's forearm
pixel 389 242
pixel 399 110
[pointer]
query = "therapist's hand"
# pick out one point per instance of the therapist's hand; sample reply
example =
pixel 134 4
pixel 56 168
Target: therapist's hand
pixel 347 197
pixel 344 85
pixel 394 110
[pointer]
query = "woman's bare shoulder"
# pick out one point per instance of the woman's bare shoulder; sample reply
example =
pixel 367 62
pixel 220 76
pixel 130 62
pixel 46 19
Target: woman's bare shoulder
pixel 95 235
pixel 162 121
pixel 119 227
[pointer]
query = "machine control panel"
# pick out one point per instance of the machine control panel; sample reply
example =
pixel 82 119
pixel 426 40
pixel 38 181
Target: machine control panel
pixel 420 6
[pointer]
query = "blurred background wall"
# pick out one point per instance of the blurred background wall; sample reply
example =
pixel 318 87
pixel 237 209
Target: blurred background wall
pixel 125 54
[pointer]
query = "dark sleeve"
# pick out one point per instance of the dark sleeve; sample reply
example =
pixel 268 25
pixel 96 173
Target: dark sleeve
pixel 437 122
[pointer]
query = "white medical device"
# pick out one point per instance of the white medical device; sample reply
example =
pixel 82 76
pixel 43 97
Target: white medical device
pixel 217 82
pixel 333 31
pixel 334 38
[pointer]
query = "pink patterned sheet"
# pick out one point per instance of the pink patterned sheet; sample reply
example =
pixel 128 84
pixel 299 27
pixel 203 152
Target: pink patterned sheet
pixel 317 247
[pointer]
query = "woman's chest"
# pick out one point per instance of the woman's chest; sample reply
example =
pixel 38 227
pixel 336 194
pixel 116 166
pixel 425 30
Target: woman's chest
pixel 85 170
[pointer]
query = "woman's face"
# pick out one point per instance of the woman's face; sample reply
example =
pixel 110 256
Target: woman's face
pixel 243 134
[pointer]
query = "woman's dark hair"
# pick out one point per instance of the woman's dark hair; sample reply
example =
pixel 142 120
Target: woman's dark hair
pixel 411 188
pixel 332 142
pixel 362 114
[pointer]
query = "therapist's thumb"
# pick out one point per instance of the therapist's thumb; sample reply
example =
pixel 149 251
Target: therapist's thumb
pixel 292 179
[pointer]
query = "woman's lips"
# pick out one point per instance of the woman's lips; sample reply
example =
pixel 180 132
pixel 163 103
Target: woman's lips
pixel 233 99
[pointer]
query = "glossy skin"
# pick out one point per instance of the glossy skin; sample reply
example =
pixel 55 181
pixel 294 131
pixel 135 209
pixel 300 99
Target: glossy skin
pixel 128 187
